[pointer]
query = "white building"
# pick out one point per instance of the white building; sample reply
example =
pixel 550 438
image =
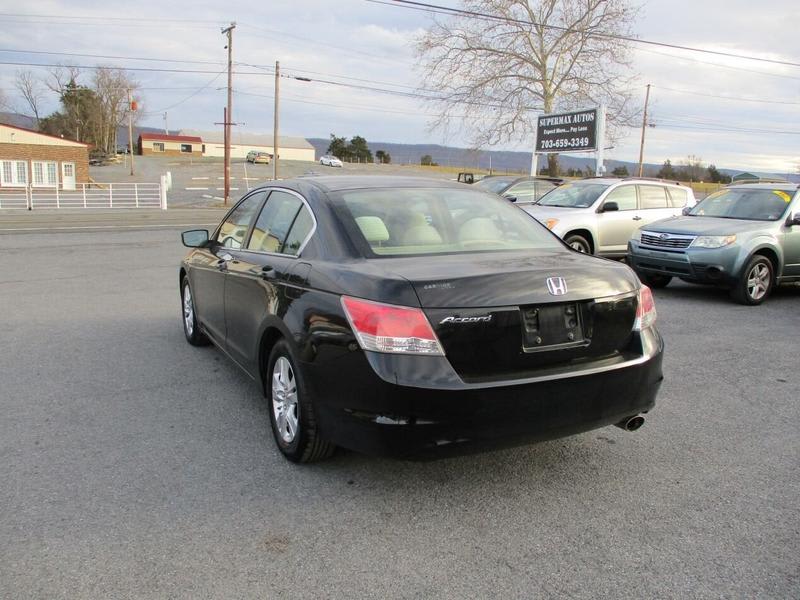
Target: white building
pixel 289 148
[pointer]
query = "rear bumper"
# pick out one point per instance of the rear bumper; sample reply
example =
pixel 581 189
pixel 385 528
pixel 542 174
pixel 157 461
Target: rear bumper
pixel 359 410
pixel 704 266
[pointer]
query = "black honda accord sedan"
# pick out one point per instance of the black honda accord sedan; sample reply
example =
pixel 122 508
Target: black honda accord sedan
pixel 411 317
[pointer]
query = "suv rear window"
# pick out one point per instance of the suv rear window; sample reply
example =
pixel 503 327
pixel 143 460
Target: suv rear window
pixel 420 221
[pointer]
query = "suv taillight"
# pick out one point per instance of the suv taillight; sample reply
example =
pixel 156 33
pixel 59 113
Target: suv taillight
pixel 645 310
pixel 388 328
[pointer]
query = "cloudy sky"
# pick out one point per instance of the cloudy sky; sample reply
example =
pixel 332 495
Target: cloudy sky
pixel 732 112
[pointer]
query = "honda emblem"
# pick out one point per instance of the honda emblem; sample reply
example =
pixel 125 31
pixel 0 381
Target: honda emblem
pixel 557 286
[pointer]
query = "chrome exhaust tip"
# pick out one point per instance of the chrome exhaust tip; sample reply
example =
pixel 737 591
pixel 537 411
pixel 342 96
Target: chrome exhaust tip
pixel 631 423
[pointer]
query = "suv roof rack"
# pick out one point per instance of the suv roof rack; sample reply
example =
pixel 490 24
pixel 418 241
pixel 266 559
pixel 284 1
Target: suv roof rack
pixel 670 181
pixel 761 180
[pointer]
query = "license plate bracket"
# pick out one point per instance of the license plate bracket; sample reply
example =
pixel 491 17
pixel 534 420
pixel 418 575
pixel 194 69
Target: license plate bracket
pixel 551 327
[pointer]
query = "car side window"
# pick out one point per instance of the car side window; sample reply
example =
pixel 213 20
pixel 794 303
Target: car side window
pixel 542 187
pixel 231 233
pixel 624 196
pixel 678 198
pixel 303 224
pixel 272 225
pixel 524 191
pixel 653 196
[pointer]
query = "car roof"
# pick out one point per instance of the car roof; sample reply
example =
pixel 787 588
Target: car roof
pixel 784 187
pixel 333 183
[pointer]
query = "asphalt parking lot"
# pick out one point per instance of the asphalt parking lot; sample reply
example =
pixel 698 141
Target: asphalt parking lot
pixel 134 465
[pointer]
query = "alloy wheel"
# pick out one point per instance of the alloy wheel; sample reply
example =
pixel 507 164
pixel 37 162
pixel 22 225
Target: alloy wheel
pixel 188 310
pixel 284 399
pixel 758 280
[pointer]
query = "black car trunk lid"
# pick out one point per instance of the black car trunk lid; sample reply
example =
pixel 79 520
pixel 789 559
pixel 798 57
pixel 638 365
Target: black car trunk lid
pixel 497 315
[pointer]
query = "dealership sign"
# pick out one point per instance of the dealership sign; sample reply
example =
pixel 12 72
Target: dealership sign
pixel 567 132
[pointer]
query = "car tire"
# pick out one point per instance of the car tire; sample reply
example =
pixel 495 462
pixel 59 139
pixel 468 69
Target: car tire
pixel 655 281
pixel 291 410
pixel 191 327
pixel 578 243
pixel 755 281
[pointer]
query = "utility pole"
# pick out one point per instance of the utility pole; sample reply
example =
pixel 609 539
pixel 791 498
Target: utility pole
pixel 166 129
pixel 644 127
pixel 229 111
pixel 130 128
pixel 275 124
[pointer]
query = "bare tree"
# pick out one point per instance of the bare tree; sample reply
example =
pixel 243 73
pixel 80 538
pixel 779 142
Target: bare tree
pixel 694 167
pixel 3 100
pixel 32 91
pixel 534 56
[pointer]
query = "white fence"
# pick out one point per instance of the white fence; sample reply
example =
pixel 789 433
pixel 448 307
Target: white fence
pixel 87 195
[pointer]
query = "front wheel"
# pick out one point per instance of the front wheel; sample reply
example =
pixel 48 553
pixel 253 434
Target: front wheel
pixel 755 282
pixel 191 328
pixel 578 243
pixel 291 413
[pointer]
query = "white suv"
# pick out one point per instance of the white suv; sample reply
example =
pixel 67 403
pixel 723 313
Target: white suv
pixel 599 215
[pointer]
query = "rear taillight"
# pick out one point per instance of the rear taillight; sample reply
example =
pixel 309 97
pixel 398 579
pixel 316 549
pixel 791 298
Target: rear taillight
pixel 389 328
pixel 645 310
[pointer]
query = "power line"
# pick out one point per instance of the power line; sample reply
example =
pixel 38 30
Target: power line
pixel 715 64
pixel 189 97
pixel 113 57
pixel 446 10
pixel 735 98
pixel 104 19
pixel 144 69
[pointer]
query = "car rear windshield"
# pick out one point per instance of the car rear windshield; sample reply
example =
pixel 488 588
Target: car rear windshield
pixel 424 221
pixel 748 204
pixel 574 195
pixel 494 184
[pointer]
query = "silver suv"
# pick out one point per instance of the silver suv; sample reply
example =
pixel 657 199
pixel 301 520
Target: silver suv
pixel 600 214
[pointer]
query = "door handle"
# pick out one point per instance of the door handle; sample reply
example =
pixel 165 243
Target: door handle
pixel 637 218
pixel 222 263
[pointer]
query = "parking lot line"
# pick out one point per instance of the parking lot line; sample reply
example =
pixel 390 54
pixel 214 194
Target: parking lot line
pixel 196 188
pixel 198 178
pixel 231 189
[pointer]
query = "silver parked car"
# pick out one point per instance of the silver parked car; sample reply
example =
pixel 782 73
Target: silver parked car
pixel 598 215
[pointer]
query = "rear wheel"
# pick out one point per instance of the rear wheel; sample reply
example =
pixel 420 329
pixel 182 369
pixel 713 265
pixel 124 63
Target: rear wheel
pixel 755 282
pixel 655 281
pixel 191 328
pixel 291 410
pixel 579 243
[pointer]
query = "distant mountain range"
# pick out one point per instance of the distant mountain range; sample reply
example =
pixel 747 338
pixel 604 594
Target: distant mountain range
pixel 499 160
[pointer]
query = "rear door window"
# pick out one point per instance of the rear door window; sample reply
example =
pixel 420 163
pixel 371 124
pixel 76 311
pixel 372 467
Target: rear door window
pixel 624 196
pixel 233 231
pixel 273 224
pixel 678 198
pixel 524 191
pixel 653 196
pixel 301 229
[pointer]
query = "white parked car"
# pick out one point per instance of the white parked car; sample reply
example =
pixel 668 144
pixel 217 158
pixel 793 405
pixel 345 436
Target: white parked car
pixel 599 215
pixel 330 161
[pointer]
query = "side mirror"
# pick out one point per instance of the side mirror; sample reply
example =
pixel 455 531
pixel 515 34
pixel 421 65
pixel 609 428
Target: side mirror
pixel 510 198
pixel 686 210
pixel 609 207
pixel 793 219
pixel 195 238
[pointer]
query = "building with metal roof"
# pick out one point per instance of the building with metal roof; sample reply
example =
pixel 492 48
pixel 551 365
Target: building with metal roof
pixel 289 148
